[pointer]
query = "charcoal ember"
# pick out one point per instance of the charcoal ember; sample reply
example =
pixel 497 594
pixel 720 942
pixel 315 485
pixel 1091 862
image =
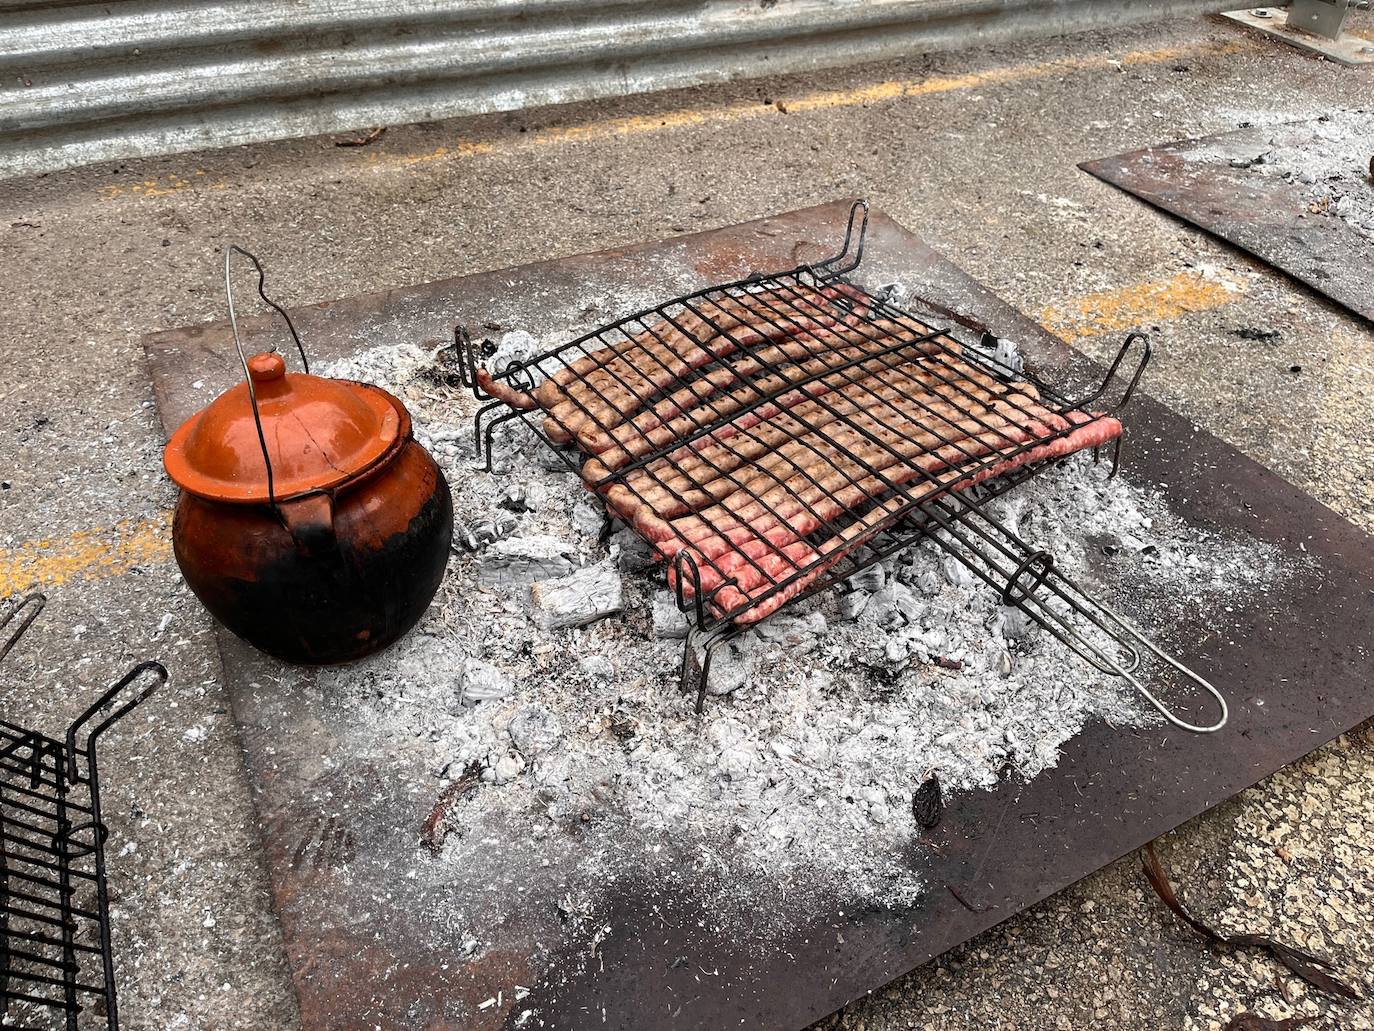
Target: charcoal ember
pixel 1004 353
pixel 593 592
pixel 548 458
pixel 482 682
pixel 515 347
pixel 924 577
pixel 623 726
pixel 464 537
pixel 897 653
pixel 631 553
pixel 927 805
pixel 588 517
pixel 670 622
pixel 1014 624
pixel 1004 663
pixel 451 363
pixel 894 606
pixel 500 526
pixel 598 668
pixel 524 497
pixel 956 572
pixel 504 768
pixel 534 730
pixel 732 664
pixel 850 606
pixel 870 580
pixel 521 560
pixel 513 498
pixel 797 634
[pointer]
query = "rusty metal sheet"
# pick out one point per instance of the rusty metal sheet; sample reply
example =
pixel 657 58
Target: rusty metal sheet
pixel 1297 667
pixel 1216 183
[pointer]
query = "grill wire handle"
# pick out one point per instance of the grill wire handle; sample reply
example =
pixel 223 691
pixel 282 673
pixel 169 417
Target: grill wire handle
pixel 34 603
pixel 155 675
pixel 50 944
pixel 1034 580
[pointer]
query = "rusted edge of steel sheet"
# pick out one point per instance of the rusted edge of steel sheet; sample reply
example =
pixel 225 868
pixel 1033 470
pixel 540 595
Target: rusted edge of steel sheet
pixel 1295 667
pixel 1214 183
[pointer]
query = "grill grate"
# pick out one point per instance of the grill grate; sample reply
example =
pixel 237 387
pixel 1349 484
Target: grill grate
pixel 772 437
pixel 55 959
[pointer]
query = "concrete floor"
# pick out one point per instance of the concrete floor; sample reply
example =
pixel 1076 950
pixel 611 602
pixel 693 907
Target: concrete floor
pixel 976 152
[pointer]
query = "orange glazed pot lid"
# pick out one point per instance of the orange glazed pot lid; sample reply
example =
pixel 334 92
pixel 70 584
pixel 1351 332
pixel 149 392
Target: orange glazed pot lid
pixel 320 433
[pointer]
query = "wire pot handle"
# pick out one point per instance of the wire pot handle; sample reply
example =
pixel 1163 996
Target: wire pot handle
pixel 158 677
pixel 844 262
pixel 229 253
pixel 34 603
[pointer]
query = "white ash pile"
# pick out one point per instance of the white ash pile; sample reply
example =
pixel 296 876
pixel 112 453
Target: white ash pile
pixel 549 664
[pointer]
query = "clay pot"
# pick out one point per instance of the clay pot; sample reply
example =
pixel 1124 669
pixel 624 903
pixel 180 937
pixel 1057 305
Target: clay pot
pixel 310 522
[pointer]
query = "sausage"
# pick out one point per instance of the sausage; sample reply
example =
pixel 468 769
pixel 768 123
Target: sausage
pixel 503 391
pixel 697 401
pixel 630 381
pixel 685 468
pixel 903 421
pixel 719 530
pixel 859 410
pixel 1091 431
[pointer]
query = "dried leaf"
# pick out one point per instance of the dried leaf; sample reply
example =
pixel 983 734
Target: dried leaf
pixel 927 805
pixel 1257 1022
pixel 1312 969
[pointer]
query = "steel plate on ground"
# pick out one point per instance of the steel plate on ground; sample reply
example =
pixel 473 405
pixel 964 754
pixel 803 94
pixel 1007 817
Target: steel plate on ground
pixel 1234 185
pixel 1297 666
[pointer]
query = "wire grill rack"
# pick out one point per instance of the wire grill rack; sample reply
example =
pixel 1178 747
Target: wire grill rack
pixel 56 968
pixel 774 436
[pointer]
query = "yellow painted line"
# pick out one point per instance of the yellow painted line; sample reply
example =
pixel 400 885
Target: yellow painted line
pixel 1139 304
pixel 85 555
pixel 160 187
pixel 721 114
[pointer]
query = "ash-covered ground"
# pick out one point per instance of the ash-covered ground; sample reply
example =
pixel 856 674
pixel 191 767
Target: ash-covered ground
pixel 822 723
pixel 1329 160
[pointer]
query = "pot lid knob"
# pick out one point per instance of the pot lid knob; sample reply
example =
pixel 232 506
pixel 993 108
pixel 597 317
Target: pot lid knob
pixel 266 367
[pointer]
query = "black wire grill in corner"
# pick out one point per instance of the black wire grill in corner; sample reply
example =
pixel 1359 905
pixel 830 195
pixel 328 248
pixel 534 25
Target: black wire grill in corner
pixel 56 964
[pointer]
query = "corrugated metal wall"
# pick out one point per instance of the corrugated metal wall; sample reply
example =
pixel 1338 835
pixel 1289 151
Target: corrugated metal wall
pixel 88 82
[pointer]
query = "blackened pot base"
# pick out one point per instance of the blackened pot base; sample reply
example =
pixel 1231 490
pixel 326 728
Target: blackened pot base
pixel 347 598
